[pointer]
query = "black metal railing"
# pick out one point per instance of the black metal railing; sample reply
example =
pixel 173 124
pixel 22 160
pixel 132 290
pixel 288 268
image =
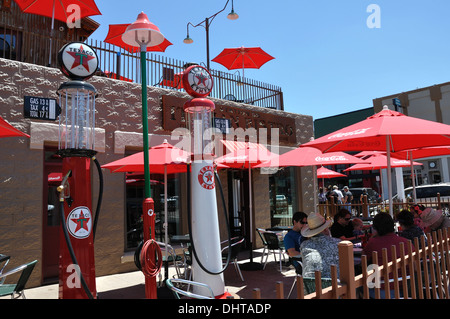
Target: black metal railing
pixel 166 72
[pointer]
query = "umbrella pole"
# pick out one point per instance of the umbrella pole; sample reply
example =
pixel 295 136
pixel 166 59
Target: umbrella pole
pixel 413 175
pixel 389 175
pixel 51 35
pixel 166 236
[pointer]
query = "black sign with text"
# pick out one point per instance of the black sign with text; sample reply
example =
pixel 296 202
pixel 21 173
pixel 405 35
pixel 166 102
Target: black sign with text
pixel 40 108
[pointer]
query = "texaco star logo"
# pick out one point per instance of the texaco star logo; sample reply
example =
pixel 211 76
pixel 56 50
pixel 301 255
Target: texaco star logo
pixel 79 222
pixel 206 177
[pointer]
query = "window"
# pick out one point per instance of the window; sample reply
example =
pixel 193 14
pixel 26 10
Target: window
pixel 283 197
pixel 135 185
pixel 9 44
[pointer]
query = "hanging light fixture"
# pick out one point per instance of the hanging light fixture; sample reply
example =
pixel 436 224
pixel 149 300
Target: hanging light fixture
pixel 232 15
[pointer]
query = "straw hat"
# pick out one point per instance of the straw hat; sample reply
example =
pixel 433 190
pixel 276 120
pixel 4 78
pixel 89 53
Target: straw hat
pixel 316 224
pixel 430 216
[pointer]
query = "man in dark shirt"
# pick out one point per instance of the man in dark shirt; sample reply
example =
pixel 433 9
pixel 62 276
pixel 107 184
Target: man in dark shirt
pixel 342 228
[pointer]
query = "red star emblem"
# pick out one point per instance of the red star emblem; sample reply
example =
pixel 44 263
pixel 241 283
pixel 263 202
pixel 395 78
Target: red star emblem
pixel 201 79
pixel 81 58
pixel 81 222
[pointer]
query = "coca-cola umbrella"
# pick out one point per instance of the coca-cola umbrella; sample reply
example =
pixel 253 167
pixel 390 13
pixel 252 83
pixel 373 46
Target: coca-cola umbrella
pixel 114 37
pixel 380 161
pixel 323 172
pixel 163 159
pixel 7 130
pixel 243 58
pixel 388 131
pixel 419 153
pixel 310 156
pixel 247 158
pixel 66 11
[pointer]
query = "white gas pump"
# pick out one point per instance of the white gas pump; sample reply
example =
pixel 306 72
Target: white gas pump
pixel 205 236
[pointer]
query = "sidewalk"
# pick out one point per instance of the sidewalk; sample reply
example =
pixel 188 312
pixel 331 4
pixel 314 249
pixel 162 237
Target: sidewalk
pixel 131 285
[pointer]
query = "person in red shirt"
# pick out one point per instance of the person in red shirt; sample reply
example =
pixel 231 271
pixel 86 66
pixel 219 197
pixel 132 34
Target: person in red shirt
pixel 384 236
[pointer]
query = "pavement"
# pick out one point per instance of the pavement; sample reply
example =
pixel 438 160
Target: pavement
pixel 131 285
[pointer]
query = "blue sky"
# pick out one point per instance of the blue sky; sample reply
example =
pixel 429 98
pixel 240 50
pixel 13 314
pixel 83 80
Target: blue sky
pixel 327 60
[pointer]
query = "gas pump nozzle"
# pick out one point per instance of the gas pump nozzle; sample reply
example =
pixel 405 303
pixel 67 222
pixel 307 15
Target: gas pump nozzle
pixel 61 188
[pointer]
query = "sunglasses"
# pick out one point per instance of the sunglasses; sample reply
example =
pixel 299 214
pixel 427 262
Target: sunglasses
pixel 303 223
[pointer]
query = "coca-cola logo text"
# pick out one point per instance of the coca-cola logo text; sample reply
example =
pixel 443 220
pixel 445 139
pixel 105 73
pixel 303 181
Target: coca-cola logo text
pixel 345 134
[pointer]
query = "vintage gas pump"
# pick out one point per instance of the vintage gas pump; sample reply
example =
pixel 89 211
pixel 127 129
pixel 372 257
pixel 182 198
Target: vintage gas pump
pixel 76 146
pixel 207 259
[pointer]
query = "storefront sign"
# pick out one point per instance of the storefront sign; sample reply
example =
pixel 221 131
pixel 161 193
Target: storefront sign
pixel 174 117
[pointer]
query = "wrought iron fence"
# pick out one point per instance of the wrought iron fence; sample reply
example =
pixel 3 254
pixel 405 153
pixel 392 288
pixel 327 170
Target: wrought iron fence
pixel 166 73
pixel 28 38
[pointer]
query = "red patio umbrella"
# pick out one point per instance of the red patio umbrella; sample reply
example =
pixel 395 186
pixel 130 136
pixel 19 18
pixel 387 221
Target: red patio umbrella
pixel 114 37
pixel 7 130
pixel 380 161
pixel 324 172
pixel 58 10
pixel 388 131
pixel 310 156
pixel 243 58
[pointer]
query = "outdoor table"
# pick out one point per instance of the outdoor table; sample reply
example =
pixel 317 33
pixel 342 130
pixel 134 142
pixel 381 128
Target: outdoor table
pixel 181 239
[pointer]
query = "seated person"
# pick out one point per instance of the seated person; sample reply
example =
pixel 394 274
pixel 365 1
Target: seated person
pixel 409 229
pixel 358 231
pixel 384 236
pixel 293 238
pixel 342 228
pixel 320 250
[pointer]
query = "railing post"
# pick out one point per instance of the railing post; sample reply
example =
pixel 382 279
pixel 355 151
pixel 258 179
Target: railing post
pixel 347 268
pixel 365 207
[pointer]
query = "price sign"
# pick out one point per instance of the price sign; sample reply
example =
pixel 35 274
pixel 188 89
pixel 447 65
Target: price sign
pixel 40 108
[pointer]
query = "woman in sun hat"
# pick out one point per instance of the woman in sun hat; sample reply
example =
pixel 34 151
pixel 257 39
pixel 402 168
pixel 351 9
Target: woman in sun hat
pixel 434 219
pixel 320 250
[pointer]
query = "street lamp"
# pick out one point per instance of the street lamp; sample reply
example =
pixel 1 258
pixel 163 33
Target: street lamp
pixel 142 33
pixel 207 22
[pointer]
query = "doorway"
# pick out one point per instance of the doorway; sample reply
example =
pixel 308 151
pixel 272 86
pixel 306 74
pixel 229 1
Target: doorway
pixel 238 204
pixel 52 177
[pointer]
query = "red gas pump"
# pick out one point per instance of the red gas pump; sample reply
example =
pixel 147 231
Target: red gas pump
pixel 76 146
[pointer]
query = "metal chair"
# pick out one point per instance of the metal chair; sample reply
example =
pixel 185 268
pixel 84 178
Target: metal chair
pixel 298 271
pixel 18 288
pixel 273 244
pixel 309 284
pixel 3 258
pixel 176 285
pixel 236 244
pixel 260 233
pixel 172 257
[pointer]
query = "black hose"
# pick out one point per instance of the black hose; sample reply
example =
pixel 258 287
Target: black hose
pixel 100 196
pixel 190 228
pixel 72 254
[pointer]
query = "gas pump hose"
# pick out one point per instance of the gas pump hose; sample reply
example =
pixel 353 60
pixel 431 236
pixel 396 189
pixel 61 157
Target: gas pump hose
pixel 150 268
pixel 100 195
pixel 66 235
pixel 226 221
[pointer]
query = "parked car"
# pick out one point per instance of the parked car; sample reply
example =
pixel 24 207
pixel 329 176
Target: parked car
pixel 428 193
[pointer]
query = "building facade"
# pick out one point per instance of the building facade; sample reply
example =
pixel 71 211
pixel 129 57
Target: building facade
pixel 29 227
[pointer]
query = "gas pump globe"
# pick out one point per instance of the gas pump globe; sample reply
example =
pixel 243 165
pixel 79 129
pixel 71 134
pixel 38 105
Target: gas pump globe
pixel 76 146
pixel 205 237
pixel 77 122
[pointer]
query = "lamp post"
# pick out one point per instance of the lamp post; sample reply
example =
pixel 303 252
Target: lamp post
pixel 142 33
pixel 207 22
